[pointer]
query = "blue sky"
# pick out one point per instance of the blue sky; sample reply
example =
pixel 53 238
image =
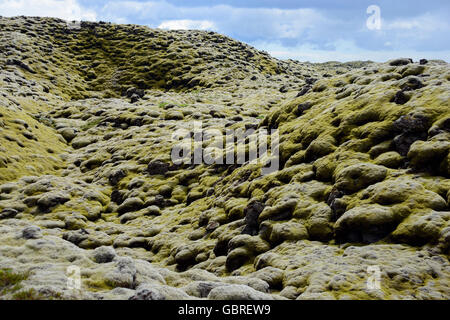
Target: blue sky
pixel 317 31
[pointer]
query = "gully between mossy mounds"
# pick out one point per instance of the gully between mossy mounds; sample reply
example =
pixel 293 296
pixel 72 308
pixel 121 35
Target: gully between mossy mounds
pixel 92 206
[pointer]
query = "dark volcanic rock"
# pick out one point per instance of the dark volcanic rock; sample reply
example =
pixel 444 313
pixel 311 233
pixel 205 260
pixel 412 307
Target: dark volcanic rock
pixel 157 167
pixel 252 212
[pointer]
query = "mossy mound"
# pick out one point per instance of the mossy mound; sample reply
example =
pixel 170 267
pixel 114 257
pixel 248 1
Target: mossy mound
pixel 107 59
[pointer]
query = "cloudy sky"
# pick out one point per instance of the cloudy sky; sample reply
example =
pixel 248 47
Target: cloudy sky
pixel 306 30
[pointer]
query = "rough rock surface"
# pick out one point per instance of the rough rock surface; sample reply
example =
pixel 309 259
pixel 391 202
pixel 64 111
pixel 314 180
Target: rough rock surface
pixel 86 178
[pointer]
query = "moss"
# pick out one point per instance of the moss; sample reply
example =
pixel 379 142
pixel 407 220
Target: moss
pixel 390 160
pixel 288 231
pixel 91 124
pixel 324 168
pixel 281 211
pixel 9 278
pixel 10 281
pixel 428 153
pixel 356 177
pixel 32 294
pixel 422 227
pixel 344 154
pixel 22 152
pixel 366 224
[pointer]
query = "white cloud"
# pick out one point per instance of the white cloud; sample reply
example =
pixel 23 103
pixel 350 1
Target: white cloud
pixel 344 51
pixel 236 21
pixel 426 22
pixel 302 33
pixel 64 9
pixel 187 25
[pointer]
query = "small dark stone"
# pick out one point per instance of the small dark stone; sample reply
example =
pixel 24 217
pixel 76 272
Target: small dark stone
pixel 213 225
pixel 400 98
pixel 302 108
pixel 158 201
pixel 310 80
pixel 335 204
pixel 411 123
pixel 8 213
pixel 252 212
pixel 117 197
pixel 404 141
pixel 221 248
pixel 134 98
pixel 50 200
pixel 133 91
pixel 423 61
pixel 237 118
pixel 249 126
pixel 304 91
pixel 76 237
pixel 284 89
pixel 104 254
pixel 116 176
pixel 412 83
pixel 31 232
pixel 157 167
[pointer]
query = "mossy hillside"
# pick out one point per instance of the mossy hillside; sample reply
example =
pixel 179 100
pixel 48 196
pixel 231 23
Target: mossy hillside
pixel 343 147
pixel 363 178
pixel 27 146
pixel 107 59
pixel 197 232
pixel 336 133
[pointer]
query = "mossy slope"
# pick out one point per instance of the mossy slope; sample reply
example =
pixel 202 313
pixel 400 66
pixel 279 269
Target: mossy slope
pixel 364 174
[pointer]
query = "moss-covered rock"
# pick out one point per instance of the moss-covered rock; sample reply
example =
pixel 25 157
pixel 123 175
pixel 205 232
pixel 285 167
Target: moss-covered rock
pixel 368 223
pixel 358 176
pixel 422 227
